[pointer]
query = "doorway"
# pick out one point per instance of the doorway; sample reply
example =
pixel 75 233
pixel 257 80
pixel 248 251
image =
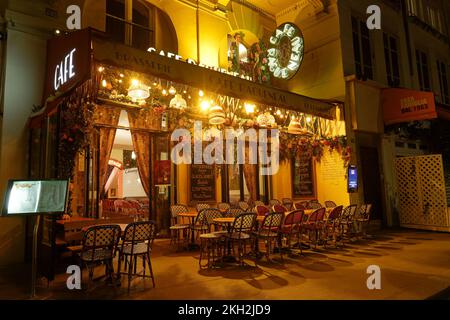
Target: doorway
pixel 371 180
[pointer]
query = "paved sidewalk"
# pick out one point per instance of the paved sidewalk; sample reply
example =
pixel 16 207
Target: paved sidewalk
pixel 414 265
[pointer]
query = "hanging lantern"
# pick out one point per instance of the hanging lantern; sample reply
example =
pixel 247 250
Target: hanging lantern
pixel 266 120
pixel 138 91
pixel 178 102
pixel 216 115
pixel 172 90
pixel 295 127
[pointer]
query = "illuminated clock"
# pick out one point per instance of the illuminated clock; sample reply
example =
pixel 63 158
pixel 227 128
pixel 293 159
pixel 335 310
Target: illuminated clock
pixel 286 49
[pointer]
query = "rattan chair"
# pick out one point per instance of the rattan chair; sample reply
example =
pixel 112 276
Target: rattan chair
pixel 178 230
pixel 137 242
pixel 240 233
pixel 330 204
pixel 98 247
pixel 291 227
pixel 314 205
pixel 347 222
pixel 262 210
pixel 200 226
pixel 279 208
pixel 288 203
pixel 362 219
pixel 223 206
pixel 200 206
pixel 243 205
pixel 234 212
pixel 314 226
pixel 331 226
pixel 273 202
pixel 269 232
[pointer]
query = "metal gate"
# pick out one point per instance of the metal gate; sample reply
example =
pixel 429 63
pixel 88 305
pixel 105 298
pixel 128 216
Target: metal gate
pixel 422 201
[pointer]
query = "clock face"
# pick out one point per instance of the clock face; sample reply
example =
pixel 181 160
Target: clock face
pixel 285 51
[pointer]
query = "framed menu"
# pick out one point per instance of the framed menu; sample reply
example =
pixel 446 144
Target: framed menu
pixel 202 183
pixel 28 197
pixel 303 178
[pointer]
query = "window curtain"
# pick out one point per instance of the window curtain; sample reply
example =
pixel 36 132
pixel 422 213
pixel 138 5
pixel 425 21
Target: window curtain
pixel 143 119
pixel 106 116
pixel 250 176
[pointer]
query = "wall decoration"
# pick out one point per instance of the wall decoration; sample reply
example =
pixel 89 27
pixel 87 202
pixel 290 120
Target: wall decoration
pixel 286 51
pixel 260 63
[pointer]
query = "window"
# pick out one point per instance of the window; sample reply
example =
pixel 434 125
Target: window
pixel 422 71
pixel 362 49
pixel 443 82
pixel 415 8
pixel 130 22
pixel 392 60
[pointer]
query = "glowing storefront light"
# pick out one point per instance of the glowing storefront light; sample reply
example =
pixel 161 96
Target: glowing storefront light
pixel 138 91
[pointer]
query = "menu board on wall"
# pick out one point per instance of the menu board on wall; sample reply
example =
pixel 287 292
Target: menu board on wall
pixel 202 183
pixel 303 178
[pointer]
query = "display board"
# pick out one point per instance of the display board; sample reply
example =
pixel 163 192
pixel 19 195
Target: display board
pixel 304 183
pixel 28 197
pixel 202 183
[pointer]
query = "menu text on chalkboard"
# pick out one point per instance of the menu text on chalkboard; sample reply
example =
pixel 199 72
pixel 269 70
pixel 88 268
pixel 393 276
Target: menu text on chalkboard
pixel 202 183
pixel 303 178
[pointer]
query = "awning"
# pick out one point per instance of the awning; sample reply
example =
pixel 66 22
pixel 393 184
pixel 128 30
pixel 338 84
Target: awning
pixel 405 105
pixel 69 65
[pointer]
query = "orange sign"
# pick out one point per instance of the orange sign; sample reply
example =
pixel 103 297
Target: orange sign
pixel 404 105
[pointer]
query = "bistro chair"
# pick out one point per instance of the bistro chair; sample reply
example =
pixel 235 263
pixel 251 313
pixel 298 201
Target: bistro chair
pixel 314 225
pixel 200 206
pixel 362 219
pixel 262 210
pixel 210 244
pixel 291 226
pixel 347 221
pixel 209 215
pixel 314 205
pixel 98 247
pixel 240 233
pixel 279 208
pixel 137 242
pixel 258 203
pixel 234 212
pixel 200 225
pixel 178 229
pixel 223 207
pixel 288 203
pixel 244 205
pixel 273 202
pixel 269 232
pixel 299 206
pixel 330 204
pixel 331 226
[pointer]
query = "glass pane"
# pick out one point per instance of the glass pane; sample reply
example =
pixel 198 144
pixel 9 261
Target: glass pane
pixel 142 21
pixel 234 188
pixel 162 170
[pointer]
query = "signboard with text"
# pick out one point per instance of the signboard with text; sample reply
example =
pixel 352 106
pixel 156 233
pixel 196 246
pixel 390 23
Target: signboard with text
pixel 404 105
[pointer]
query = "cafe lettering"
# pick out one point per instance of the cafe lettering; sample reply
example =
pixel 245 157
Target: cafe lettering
pixel 65 70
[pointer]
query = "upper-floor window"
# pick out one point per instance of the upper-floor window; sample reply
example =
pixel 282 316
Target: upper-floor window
pixel 428 12
pixel 423 70
pixel 391 57
pixel 415 8
pixel 443 82
pixel 362 49
pixel 130 22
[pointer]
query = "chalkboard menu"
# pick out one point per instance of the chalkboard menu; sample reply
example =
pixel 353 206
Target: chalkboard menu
pixel 202 183
pixel 303 184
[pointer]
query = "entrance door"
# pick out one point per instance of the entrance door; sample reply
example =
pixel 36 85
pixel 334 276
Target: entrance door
pixel 371 180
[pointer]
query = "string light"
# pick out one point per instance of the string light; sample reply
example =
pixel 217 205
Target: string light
pixel 249 107
pixel 172 90
pixel 205 105
pixel 201 93
pixel 101 69
pixel 104 84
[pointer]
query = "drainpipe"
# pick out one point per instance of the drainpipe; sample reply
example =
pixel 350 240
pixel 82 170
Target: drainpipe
pixel 198 33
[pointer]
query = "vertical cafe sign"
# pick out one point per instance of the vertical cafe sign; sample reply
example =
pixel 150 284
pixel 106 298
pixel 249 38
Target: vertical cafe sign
pixel 285 51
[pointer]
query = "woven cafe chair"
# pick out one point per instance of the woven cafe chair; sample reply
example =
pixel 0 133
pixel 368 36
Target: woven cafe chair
pixel 347 221
pixel 234 212
pixel 291 227
pixel 200 206
pixel 363 218
pixel 330 204
pixel 314 205
pixel 288 203
pixel 269 232
pixel 240 233
pixel 314 225
pixel 137 242
pixel 279 208
pixel 223 206
pixel 178 230
pixel 99 245
pixel 200 225
pixel 299 206
pixel 262 210
pixel 244 206
pixel 273 202
pixel 331 226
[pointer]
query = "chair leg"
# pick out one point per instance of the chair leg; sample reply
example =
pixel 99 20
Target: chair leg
pixel 149 261
pixel 130 270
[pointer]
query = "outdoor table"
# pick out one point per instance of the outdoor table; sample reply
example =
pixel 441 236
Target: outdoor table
pixel 191 216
